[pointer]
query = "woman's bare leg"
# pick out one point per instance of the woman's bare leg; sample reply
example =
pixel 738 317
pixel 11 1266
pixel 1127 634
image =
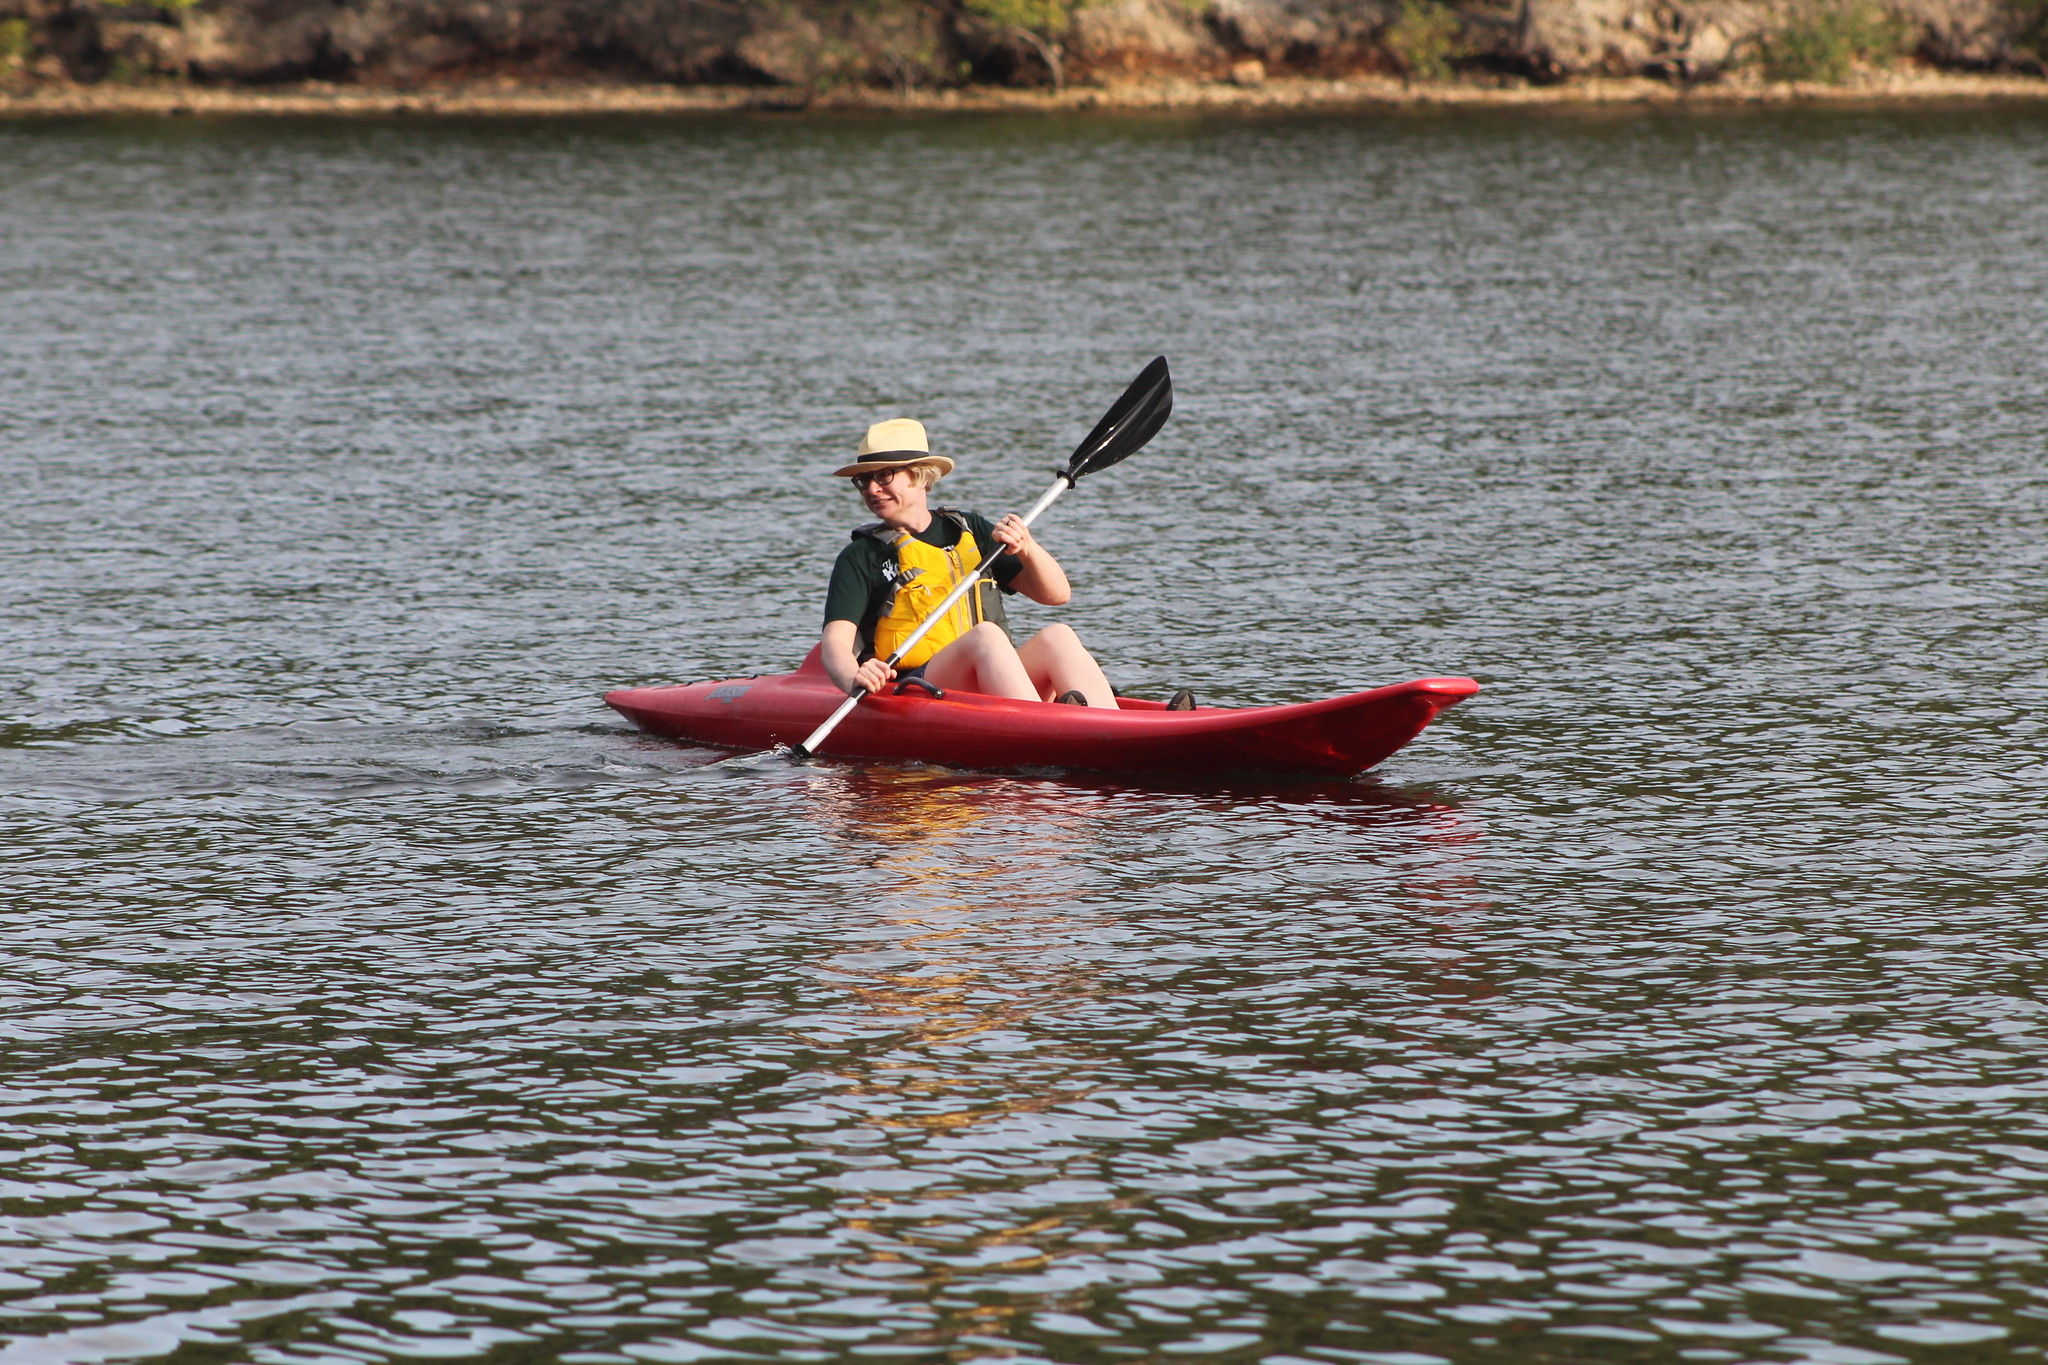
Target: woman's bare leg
pixel 983 660
pixel 1058 662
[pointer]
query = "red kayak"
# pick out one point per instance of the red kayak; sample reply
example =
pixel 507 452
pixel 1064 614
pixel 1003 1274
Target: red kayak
pixel 969 730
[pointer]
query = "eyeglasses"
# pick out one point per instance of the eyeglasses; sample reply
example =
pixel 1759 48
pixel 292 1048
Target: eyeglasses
pixel 863 481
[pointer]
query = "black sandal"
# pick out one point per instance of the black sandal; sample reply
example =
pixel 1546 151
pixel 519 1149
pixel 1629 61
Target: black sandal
pixel 1182 700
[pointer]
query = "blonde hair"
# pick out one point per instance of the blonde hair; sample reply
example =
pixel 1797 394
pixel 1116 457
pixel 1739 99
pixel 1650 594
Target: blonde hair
pixel 925 475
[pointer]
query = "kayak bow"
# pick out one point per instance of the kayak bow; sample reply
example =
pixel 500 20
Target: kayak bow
pixel 969 730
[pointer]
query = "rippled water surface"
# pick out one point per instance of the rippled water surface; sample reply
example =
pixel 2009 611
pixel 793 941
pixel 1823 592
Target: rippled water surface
pixel 373 994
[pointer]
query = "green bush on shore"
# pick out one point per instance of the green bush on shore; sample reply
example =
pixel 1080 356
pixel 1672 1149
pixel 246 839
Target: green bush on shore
pixel 1823 42
pixel 17 41
pixel 1425 38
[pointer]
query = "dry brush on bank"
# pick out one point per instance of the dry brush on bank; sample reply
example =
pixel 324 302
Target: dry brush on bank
pixel 912 45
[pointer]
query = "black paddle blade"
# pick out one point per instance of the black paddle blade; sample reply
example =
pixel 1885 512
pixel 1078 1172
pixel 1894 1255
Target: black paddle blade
pixel 1131 421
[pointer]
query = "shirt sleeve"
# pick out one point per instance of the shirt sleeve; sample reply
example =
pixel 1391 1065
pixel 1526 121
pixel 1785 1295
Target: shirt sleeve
pixel 855 577
pixel 1008 566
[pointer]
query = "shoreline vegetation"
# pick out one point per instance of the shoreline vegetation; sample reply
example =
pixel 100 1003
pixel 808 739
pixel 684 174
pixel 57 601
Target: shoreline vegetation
pixel 508 98
pixel 540 57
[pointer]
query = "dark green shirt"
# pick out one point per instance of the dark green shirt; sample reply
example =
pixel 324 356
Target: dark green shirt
pixel 857 583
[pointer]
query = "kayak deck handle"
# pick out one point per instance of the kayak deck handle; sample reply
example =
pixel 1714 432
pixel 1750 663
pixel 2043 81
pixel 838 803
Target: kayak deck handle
pixel 938 693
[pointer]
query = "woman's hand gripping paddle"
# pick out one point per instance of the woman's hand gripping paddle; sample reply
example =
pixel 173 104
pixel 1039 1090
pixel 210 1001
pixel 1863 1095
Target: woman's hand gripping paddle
pixel 1131 421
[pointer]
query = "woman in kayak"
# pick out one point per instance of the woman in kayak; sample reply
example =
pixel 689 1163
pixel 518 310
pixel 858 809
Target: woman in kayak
pixel 897 570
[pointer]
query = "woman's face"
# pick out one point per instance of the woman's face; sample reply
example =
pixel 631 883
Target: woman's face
pixel 893 495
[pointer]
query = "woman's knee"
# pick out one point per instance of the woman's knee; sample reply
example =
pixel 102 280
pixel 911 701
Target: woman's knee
pixel 987 638
pixel 980 646
pixel 1059 635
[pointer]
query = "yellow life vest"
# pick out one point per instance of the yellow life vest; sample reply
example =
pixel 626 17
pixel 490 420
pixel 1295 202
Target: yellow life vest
pixel 919 577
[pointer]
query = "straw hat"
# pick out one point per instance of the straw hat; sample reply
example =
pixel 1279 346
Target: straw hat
pixel 891 445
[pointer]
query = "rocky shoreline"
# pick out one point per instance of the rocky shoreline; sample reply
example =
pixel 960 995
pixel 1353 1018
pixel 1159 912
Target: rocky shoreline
pixel 495 98
pixel 662 56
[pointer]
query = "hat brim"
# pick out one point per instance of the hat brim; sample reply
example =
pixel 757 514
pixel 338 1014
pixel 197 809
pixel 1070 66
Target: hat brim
pixel 878 462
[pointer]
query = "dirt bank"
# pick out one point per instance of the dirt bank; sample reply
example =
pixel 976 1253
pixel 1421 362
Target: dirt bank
pixel 506 97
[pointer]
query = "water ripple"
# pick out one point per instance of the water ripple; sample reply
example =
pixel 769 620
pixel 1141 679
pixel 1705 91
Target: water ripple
pixel 374 994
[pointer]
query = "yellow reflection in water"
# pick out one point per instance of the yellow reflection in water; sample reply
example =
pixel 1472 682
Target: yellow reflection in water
pixel 976 933
pixel 972 917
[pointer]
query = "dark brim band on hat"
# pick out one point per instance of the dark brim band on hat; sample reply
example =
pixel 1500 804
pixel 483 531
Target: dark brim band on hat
pixel 894 459
pixel 893 444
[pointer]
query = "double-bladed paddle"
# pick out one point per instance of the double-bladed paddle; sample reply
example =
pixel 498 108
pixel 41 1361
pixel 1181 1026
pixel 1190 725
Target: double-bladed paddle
pixel 1131 421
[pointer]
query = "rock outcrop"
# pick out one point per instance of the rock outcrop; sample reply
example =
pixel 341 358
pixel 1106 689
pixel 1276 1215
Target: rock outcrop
pixel 908 44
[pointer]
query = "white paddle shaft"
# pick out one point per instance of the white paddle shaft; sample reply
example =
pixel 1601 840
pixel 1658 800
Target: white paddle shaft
pixel 938 613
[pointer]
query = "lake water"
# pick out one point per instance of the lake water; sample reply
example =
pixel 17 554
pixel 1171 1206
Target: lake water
pixel 373 994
